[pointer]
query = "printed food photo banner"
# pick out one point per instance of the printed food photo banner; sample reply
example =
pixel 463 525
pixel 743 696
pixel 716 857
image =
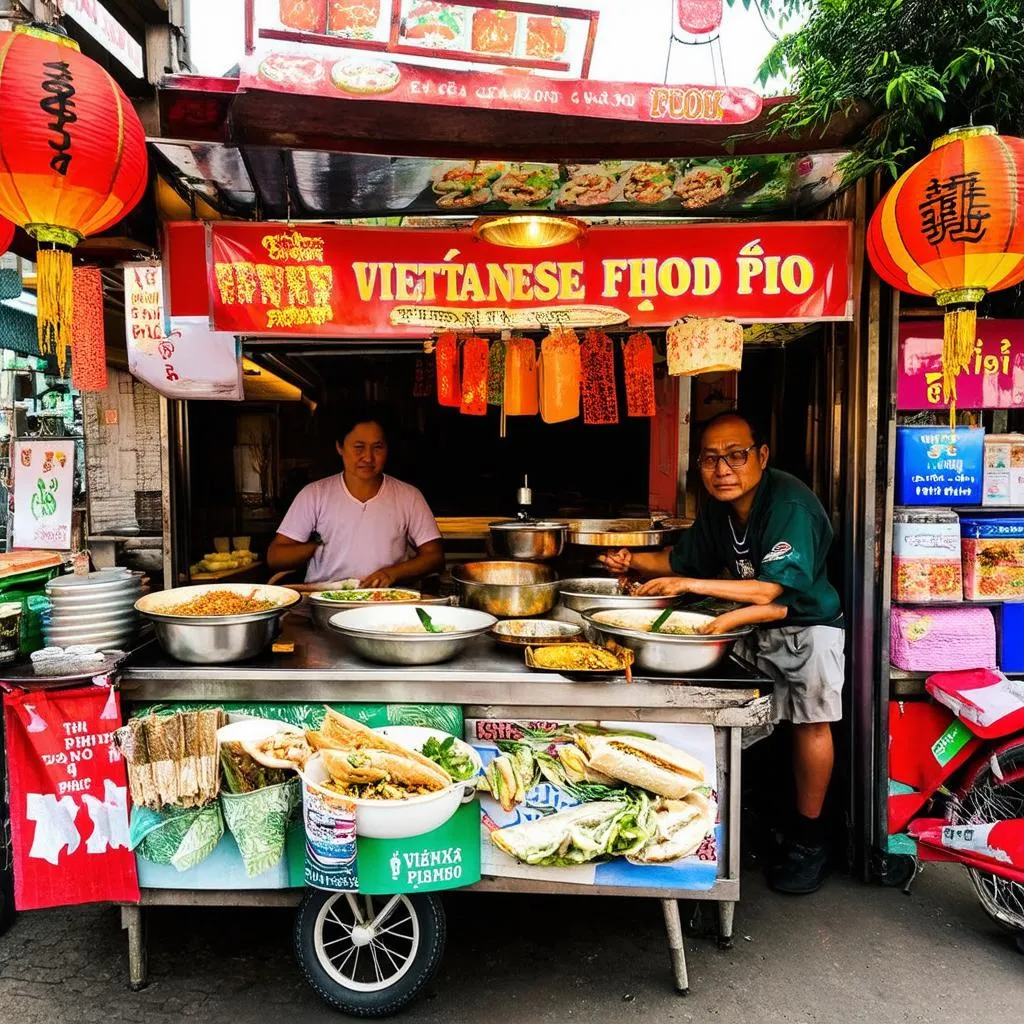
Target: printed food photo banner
pixel 606 803
pixel 44 477
pixel 273 279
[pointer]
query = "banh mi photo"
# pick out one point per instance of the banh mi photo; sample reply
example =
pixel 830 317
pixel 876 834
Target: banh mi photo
pixel 649 764
pixel 370 766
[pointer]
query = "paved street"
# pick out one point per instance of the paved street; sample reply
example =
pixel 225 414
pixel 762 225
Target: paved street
pixel 852 953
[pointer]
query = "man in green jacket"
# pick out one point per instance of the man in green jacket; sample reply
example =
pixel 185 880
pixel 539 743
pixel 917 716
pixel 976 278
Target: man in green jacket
pixel 768 533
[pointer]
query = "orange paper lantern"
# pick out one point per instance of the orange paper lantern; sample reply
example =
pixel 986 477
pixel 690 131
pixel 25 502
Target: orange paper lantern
pixel 88 351
pixel 72 160
pixel 951 228
pixel 6 235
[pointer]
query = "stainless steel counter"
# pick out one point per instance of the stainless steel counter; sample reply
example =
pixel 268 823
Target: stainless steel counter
pixel 486 676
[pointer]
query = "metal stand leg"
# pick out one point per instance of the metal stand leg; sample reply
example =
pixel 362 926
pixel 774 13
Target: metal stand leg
pixel 132 922
pixel 674 928
pixel 726 913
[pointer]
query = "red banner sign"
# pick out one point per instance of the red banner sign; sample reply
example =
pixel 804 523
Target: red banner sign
pixel 994 379
pixel 364 282
pixel 373 77
pixel 69 799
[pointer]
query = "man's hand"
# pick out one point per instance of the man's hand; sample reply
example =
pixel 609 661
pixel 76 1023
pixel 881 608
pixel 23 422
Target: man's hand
pixel 379 579
pixel 723 624
pixel 666 586
pixel 617 562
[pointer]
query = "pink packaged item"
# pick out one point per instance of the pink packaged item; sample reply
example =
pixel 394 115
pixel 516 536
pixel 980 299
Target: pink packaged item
pixel 942 639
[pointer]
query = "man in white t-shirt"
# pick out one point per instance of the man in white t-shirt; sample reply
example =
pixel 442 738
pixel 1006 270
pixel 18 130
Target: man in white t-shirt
pixel 360 523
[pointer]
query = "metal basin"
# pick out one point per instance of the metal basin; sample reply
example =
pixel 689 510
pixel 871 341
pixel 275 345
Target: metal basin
pixel 370 633
pixel 664 653
pixel 534 632
pixel 213 640
pixel 509 590
pixel 527 541
pixel 594 594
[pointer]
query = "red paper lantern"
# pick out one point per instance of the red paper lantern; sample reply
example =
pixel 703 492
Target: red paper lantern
pixel 88 351
pixel 6 235
pixel 72 159
pixel 951 228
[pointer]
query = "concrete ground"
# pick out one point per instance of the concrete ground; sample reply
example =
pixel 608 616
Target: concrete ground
pixel 850 954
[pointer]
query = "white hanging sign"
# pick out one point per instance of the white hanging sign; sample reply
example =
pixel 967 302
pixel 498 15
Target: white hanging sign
pixel 44 477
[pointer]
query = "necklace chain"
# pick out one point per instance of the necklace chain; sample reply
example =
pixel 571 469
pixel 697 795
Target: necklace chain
pixel 740 542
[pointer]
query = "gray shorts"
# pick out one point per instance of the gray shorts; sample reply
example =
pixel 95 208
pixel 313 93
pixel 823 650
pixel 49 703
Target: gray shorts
pixel 808 666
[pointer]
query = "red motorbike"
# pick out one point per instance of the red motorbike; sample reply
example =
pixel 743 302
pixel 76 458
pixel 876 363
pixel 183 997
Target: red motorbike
pixel 956 790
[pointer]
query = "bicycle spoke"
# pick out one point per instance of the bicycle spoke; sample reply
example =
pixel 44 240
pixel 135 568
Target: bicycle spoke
pixel 388 910
pixel 394 963
pixel 376 963
pixel 353 903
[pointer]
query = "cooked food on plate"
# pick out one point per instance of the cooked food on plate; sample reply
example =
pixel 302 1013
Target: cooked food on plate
pixel 219 602
pixel 468 177
pixel 366 765
pixel 433 24
pixel 602 828
pixel 672 626
pixel 368 595
pixel 526 186
pixel 650 764
pixel 416 627
pixel 464 200
pixel 576 658
pixel 647 183
pixel 285 69
pixel 702 187
pixel 366 76
pixel 586 188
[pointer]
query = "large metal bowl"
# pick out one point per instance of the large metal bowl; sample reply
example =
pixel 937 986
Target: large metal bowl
pixel 509 590
pixel 214 640
pixel 368 632
pixel 527 541
pixel 664 653
pixel 323 608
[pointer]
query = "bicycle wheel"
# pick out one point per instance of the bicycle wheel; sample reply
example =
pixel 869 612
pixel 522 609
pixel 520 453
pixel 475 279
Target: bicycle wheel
pixel 995 793
pixel 369 956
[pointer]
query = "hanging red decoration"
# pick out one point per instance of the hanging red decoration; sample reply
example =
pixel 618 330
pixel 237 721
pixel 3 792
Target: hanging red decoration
pixel 446 356
pixel 88 351
pixel 6 235
pixel 597 379
pixel 474 377
pixel 638 356
pixel 521 387
pixel 496 373
pixel 952 227
pixel 72 160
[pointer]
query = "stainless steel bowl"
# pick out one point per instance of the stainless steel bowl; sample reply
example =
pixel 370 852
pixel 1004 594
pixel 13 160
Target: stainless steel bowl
pixel 367 632
pixel 534 632
pixel 509 590
pixel 593 594
pixel 527 541
pixel 212 640
pixel 664 653
pixel 625 533
pixel 323 609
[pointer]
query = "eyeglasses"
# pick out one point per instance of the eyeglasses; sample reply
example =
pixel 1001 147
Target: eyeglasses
pixel 734 460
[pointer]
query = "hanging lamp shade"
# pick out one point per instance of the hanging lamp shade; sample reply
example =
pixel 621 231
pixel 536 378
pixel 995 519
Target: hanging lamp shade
pixel 704 345
pixel 6 235
pixel 950 228
pixel 72 160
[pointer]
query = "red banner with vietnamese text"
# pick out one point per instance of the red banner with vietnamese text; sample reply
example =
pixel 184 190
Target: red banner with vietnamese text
pixel 68 799
pixel 993 379
pixel 276 279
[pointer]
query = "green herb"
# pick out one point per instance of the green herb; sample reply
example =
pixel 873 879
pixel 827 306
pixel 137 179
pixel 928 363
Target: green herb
pixel 458 764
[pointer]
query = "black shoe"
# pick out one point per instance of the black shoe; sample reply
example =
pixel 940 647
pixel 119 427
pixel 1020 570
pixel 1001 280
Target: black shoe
pixel 800 871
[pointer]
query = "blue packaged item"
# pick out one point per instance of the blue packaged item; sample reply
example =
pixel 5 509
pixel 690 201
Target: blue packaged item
pixel 937 466
pixel 1011 647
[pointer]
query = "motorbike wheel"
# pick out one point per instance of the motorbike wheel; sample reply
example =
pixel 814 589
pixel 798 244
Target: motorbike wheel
pixel 369 956
pixel 995 793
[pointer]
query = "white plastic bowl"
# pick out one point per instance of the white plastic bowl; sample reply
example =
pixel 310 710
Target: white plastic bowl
pixel 402 819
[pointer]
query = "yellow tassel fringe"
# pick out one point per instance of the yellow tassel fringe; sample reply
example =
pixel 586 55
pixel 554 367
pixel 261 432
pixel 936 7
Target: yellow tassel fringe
pixel 55 304
pixel 958 341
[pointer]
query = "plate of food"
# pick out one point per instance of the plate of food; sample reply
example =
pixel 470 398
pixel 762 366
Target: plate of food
pixel 293 70
pixel 366 76
pixel 589 186
pixel 526 185
pixel 404 780
pixel 647 183
pixel 325 603
pixel 581 661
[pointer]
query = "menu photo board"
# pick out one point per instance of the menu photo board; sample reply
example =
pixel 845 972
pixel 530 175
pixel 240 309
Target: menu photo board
pixel 44 476
pixel 937 466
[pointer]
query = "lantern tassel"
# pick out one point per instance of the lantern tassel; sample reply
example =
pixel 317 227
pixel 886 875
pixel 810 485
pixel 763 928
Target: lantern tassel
pixel 55 302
